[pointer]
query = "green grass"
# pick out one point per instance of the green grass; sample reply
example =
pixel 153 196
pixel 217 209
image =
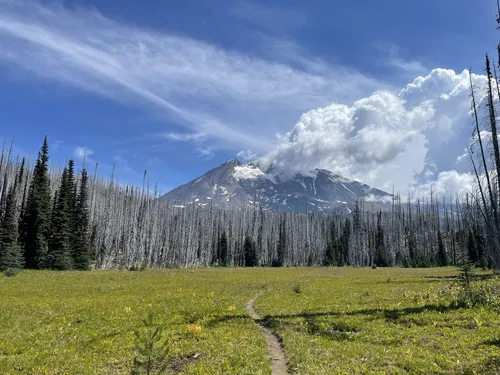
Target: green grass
pixel 343 321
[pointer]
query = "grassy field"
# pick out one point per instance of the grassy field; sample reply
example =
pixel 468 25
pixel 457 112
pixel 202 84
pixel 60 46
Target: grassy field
pixel 331 321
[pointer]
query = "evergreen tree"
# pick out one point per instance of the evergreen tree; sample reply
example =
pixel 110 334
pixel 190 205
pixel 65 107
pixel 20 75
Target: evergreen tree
pixel 59 243
pixel 36 216
pixel 223 250
pixel 380 253
pixel 281 246
pixel 344 243
pixel 331 247
pixel 10 251
pixel 81 246
pixel 250 252
pixel 329 255
pixel 442 260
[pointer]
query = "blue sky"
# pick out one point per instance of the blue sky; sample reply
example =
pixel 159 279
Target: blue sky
pixel 178 87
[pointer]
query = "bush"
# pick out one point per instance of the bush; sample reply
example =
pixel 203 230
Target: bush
pixel 297 288
pixel 141 267
pixel 470 294
pixel 11 272
pixel 477 294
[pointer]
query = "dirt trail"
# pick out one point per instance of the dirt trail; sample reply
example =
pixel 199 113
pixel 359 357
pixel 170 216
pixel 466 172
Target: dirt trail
pixel 277 355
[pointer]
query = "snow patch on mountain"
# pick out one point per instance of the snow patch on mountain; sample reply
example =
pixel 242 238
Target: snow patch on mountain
pixel 247 172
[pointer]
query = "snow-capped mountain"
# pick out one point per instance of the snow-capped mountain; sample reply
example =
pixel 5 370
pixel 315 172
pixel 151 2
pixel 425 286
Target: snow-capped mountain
pixel 234 184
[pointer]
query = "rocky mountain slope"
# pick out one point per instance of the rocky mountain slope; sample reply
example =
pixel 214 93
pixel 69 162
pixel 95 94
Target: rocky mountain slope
pixel 234 184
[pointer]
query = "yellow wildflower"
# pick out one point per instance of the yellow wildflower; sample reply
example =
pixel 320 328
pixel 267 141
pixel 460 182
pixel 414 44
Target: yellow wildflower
pixel 194 328
pixel 231 308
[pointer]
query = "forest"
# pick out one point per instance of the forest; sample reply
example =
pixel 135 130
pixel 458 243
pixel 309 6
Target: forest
pixel 56 218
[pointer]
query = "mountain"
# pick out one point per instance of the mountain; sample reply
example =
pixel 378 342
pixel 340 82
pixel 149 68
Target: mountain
pixel 234 184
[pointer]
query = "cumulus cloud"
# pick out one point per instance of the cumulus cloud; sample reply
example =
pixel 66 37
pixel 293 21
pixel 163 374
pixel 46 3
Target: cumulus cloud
pixel 409 139
pixel 448 184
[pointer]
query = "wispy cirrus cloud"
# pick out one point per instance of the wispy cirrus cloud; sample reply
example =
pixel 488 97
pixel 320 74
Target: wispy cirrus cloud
pixel 230 97
pixel 394 58
pixel 82 152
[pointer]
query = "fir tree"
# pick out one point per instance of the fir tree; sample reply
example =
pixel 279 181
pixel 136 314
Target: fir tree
pixel 10 251
pixel 344 243
pixel 442 260
pixel 380 253
pixel 223 250
pixel 281 246
pixel 250 252
pixel 329 255
pixel 59 244
pixel 36 216
pixel 81 246
pixel 331 247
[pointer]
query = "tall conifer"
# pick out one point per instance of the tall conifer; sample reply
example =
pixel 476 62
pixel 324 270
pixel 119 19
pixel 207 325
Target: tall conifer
pixel 80 246
pixel 60 256
pixel 10 251
pixel 36 217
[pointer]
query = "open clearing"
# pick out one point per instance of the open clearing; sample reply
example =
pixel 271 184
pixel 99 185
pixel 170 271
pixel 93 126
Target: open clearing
pixel 330 320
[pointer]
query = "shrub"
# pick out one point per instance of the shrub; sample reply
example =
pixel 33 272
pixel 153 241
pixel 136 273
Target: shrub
pixel 297 288
pixel 476 294
pixel 11 272
pixel 151 351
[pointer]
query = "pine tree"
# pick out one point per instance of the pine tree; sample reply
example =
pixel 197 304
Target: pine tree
pixel 223 250
pixel 329 255
pixel 331 247
pixel 250 252
pixel 380 253
pixel 59 242
pixel 344 243
pixel 36 216
pixel 281 246
pixel 442 260
pixel 10 251
pixel 81 246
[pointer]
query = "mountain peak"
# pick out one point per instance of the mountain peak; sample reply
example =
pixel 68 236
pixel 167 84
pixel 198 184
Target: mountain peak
pixel 234 184
pixel 234 162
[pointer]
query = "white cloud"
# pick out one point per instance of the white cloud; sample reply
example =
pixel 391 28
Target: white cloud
pixel 184 137
pixel 448 184
pixel 206 153
pixel 410 140
pixel 394 59
pixel 247 155
pixel 245 172
pixel 230 96
pixel 82 152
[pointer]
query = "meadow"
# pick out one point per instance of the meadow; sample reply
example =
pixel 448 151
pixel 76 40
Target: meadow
pixel 329 320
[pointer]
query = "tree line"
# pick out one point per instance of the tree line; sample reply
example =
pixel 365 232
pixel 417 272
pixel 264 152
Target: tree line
pixel 55 218
pixel 41 228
